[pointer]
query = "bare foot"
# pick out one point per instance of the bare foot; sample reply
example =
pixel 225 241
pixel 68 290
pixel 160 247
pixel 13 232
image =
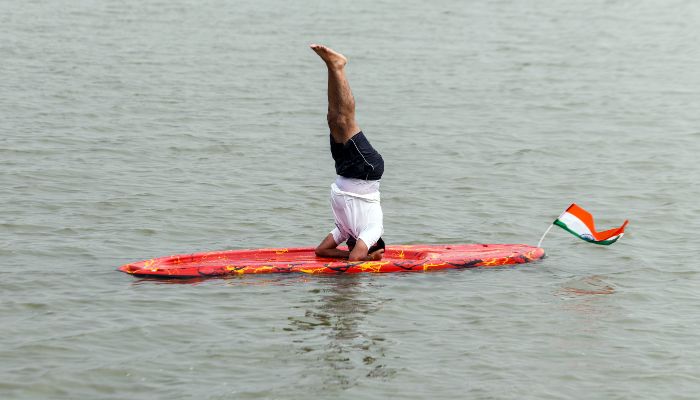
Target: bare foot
pixel 375 255
pixel 333 59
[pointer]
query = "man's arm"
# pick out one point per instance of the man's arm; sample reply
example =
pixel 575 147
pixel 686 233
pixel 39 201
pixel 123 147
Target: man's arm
pixel 328 248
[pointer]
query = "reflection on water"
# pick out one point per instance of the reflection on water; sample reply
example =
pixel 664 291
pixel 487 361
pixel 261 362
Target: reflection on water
pixel 234 280
pixel 585 297
pixel 590 285
pixel 328 330
pixel 333 327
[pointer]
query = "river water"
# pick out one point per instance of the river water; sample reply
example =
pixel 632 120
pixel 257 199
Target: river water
pixel 135 129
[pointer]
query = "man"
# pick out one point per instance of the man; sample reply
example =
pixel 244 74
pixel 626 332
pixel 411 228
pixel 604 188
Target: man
pixel 355 197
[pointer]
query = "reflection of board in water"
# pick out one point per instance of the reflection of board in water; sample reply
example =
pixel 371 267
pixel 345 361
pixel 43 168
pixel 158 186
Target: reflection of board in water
pixel 332 333
pixel 400 258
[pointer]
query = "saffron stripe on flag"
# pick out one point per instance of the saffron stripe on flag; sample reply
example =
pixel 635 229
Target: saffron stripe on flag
pixel 579 222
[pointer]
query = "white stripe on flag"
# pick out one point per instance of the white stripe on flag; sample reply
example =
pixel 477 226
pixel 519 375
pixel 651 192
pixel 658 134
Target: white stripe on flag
pixel 575 224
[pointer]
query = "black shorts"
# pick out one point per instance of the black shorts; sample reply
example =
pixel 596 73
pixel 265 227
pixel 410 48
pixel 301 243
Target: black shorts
pixel 357 159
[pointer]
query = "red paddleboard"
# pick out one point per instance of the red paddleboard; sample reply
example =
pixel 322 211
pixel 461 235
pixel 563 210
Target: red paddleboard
pixel 399 258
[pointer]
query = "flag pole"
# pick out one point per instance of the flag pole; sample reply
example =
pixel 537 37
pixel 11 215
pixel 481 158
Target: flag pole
pixel 539 244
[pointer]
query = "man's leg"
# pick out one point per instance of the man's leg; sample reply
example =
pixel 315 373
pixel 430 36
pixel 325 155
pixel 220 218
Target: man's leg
pixel 341 104
pixel 328 248
pixel 342 124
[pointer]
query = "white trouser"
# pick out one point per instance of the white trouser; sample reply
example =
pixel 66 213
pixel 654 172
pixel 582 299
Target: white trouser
pixel 356 215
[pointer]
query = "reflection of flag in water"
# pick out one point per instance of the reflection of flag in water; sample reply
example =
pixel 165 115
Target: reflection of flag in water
pixel 580 223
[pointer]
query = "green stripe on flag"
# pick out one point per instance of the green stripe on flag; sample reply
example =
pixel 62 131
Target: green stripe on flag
pixel 601 242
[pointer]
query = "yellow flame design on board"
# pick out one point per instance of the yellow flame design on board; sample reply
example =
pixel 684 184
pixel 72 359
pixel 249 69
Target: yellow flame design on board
pixel 262 269
pixel 312 270
pixel 236 269
pixel 428 266
pixel 372 266
pixel 148 264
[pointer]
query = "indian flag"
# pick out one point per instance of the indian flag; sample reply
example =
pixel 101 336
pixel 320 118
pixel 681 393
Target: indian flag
pixel 580 223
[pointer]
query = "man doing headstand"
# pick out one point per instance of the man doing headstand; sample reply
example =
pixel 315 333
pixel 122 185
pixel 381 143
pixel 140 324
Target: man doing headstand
pixel 355 197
